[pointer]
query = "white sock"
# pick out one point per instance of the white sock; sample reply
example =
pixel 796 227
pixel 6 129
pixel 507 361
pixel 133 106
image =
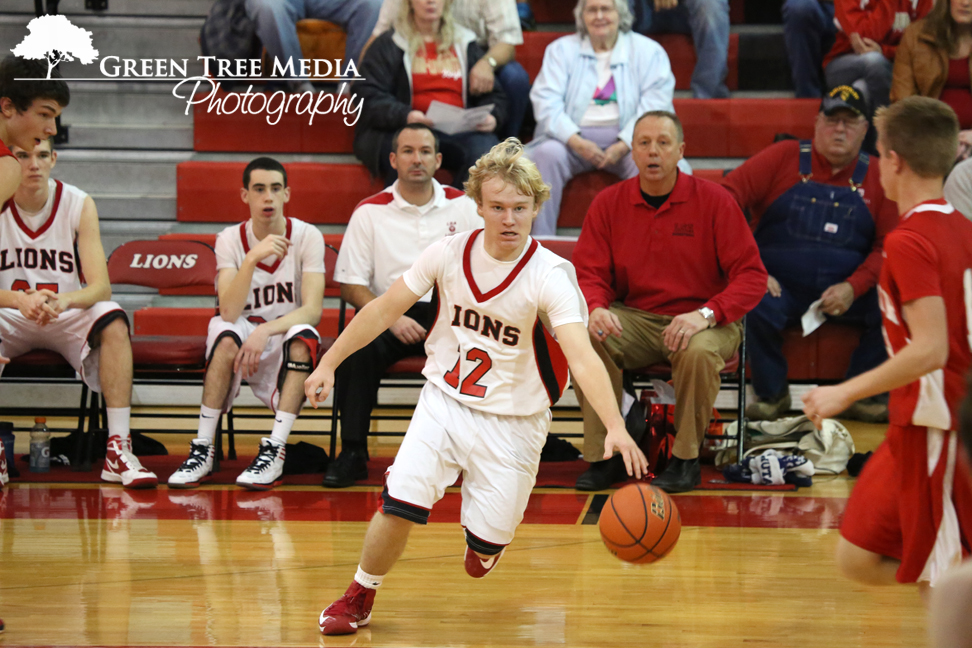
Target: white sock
pixel 364 579
pixel 208 420
pixel 282 424
pixel 119 421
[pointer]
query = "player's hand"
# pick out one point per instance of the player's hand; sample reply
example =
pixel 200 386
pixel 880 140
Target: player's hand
pixel 271 245
pixel 681 329
pixel 319 384
pixel 825 402
pixel 247 358
pixel 603 323
pixel 488 125
pixel 613 154
pixel 634 459
pixel 586 149
pixel 837 299
pixel 481 78
pixel 31 305
pixel 773 286
pixel 418 117
pixel 407 330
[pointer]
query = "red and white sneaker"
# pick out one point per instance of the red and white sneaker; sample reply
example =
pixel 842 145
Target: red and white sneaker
pixel 477 567
pixel 121 466
pixel 348 613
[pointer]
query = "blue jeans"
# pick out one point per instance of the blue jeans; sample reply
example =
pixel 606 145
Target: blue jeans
pixel 765 324
pixel 808 30
pixel 276 24
pixel 708 23
pixel 872 69
pixel 516 85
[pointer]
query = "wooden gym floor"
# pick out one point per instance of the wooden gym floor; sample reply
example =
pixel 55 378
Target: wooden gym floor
pixel 91 565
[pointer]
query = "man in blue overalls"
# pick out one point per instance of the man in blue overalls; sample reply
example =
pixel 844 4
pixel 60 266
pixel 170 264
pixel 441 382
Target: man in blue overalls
pixel 820 217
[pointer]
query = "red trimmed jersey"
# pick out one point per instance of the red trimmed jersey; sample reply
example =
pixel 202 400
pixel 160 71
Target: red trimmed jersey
pixel 276 284
pixel 491 345
pixel 929 254
pixel 38 250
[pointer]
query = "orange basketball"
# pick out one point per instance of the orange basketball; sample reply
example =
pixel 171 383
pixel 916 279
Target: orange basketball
pixel 639 523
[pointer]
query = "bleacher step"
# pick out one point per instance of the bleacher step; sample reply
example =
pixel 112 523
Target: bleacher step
pixel 183 8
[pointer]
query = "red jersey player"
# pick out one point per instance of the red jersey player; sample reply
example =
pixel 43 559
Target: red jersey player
pixel 909 517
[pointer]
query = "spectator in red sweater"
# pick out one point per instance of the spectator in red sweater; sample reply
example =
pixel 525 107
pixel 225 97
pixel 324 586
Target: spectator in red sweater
pixel 668 266
pixel 820 217
pixel 867 37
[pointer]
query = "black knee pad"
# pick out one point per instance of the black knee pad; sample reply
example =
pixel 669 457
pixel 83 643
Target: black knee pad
pixel 481 546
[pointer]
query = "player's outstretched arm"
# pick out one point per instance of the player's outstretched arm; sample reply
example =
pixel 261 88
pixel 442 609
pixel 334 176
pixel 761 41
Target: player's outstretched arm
pixel 927 352
pixel 10 174
pixel 588 371
pixel 367 324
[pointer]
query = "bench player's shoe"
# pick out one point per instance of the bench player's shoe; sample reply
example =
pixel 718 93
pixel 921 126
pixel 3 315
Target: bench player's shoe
pixel 198 466
pixel 477 567
pixel 266 469
pixel 121 466
pixel 348 613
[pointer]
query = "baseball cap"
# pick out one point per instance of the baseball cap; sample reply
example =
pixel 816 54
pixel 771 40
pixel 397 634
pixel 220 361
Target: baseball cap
pixel 844 97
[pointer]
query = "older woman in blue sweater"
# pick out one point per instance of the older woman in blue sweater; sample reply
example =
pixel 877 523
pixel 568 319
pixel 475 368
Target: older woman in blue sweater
pixel 592 88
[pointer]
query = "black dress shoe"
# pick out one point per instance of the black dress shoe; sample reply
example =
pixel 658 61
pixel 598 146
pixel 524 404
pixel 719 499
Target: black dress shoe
pixel 679 476
pixel 602 474
pixel 350 466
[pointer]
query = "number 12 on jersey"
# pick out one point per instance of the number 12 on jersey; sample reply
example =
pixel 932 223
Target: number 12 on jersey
pixel 470 385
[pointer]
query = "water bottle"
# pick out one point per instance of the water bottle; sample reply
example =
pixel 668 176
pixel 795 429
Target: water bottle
pixel 40 446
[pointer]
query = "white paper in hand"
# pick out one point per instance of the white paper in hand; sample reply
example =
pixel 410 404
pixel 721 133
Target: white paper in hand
pixel 451 120
pixel 813 318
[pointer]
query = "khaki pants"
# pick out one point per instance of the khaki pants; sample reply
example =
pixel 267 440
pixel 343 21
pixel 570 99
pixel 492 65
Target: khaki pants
pixel 695 374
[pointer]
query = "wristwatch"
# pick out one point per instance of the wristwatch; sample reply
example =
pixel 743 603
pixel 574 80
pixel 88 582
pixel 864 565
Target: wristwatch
pixel 709 315
pixel 491 61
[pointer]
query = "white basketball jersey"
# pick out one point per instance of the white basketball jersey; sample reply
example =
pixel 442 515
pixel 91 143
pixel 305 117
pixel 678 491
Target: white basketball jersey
pixel 44 257
pixel 495 351
pixel 275 288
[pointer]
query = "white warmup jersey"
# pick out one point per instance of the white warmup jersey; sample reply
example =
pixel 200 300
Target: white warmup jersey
pixel 490 346
pixel 275 288
pixel 38 251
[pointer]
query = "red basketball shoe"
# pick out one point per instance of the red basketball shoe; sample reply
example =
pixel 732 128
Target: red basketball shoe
pixel 477 567
pixel 349 612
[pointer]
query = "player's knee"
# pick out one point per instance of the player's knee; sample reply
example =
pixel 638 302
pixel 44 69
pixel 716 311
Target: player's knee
pixel 854 563
pixel 481 546
pixel 227 346
pixel 299 351
pixel 113 334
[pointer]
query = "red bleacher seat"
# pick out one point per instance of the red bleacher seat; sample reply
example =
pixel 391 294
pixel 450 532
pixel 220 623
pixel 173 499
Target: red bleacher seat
pixel 561 11
pixel 323 193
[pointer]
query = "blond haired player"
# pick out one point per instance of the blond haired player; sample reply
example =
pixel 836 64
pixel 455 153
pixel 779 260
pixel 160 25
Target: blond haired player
pixel 509 321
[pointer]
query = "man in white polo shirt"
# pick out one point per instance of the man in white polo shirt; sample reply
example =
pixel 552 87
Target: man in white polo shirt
pixel 386 234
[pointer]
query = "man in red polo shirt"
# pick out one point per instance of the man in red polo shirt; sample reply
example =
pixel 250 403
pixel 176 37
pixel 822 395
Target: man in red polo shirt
pixel 668 266
pixel 819 216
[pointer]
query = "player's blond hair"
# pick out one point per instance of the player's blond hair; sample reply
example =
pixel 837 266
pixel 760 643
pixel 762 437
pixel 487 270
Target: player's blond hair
pixel 922 131
pixel 507 162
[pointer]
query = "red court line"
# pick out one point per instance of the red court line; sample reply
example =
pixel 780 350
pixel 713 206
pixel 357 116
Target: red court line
pixel 763 510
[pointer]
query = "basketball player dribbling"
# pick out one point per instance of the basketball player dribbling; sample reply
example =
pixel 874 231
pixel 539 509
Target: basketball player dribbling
pixel 509 322
pixel 909 517
pixel 271 291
